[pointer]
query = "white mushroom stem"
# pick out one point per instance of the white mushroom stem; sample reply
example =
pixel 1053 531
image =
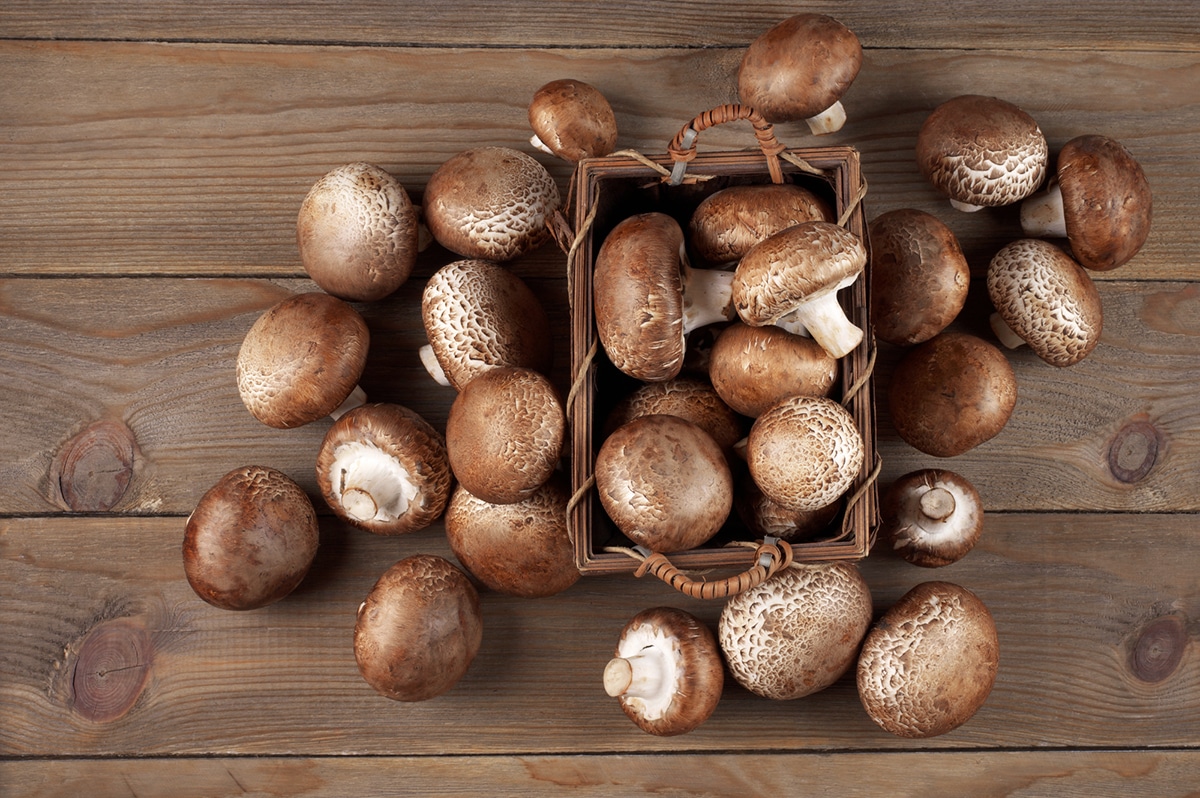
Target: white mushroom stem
pixel 937 504
pixel 826 322
pixel 828 121
pixel 540 145
pixel 791 322
pixel 645 670
pixel 371 484
pixel 357 398
pixel 1042 215
pixel 707 297
pixel 965 207
pixel 1004 333
pixel 430 362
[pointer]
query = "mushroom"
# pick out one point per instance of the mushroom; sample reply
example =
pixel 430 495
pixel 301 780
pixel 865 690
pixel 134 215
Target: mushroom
pixel 664 482
pixel 797 273
pixel 301 360
pixel 930 662
pixel 490 203
pixel 799 69
pixel 478 315
pixel 1045 299
pixel 932 516
pixel 418 629
pixel 647 298
pixel 572 120
pixel 357 232
pixel 804 452
pixel 504 434
pixel 251 539
pixel 1099 200
pixel 730 221
pixel 764 517
pixel 753 368
pixel 666 671
pixel 689 398
pixel 521 549
pixel 383 468
pixel 919 276
pixel 952 393
pixel 798 632
pixel 981 152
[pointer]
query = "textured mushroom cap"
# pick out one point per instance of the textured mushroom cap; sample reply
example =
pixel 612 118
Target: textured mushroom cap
pixel 573 119
pixel 522 549
pixel 1047 299
pixel 793 266
pixel 418 630
pixel 479 315
pixel 982 151
pixel 952 393
pixel 930 662
pixel 730 221
pixel 799 67
pixel 689 398
pixel 804 452
pixel 407 457
pixel 933 517
pixel 664 482
pixel 490 203
pixel 251 539
pixel 1106 201
pixel 301 359
pixel 919 276
pixel 357 233
pixel 797 632
pixel 504 434
pixel 764 517
pixel 753 368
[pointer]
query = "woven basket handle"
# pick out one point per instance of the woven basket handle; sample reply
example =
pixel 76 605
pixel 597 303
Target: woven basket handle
pixel 770 557
pixel 682 148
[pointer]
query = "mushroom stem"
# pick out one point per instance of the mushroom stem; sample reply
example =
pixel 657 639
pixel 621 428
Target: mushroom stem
pixel 357 398
pixel 965 207
pixel 430 362
pixel 1042 215
pixel 370 484
pixel 828 121
pixel 826 322
pixel 540 145
pixel 937 504
pixel 707 297
pixel 641 676
pixel 1006 334
pixel 791 323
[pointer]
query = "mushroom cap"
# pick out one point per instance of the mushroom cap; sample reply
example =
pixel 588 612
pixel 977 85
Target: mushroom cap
pixel 798 632
pixel 919 276
pixel 664 482
pixel 504 434
pixel 805 452
pixel 951 393
pixel 764 517
pixel 418 629
pixel 385 450
pixel 730 221
pixel 932 516
pixel 478 315
pixel 982 151
pixel 1047 299
pixel 357 232
pixel 690 398
pixel 251 539
pixel 490 203
pixel 799 67
pixel 301 359
pixel 753 368
pixel 573 119
pixel 521 549
pixel 930 662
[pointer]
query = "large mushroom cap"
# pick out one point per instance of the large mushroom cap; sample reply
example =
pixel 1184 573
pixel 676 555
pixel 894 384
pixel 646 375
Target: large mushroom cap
pixel 689 398
pixel 730 221
pixel 572 120
pixel 753 368
pixel 933 517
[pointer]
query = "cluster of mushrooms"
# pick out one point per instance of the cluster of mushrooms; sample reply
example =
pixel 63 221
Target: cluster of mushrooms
pixel 761 264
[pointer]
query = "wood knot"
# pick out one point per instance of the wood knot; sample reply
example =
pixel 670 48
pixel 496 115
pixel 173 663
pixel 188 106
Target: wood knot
pixel 93 469
pixel 1133 451
pixel 1158 649
pixel 111 670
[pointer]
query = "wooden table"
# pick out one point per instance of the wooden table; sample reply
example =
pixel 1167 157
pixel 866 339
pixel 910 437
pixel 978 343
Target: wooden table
pixel 152 161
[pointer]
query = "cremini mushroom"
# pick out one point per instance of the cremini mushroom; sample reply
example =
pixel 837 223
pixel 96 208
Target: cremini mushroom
pixel 932 517
pixel 572 120
pixel 728 222
pixel 799 69
pixel 690 398
pixel 666 671
pixel 301 360
pixel 764 517
pixel 383 468
pixel 753 368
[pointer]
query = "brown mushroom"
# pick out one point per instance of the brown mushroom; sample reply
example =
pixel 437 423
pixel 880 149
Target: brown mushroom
pixel 764 517
pixel 730 221
pixel 933 517
pixel 572 120
pixel 689 398
pixel 753 368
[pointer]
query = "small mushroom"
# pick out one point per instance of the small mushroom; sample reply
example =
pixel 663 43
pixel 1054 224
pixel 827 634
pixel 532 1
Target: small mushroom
pixel 383 468
pixel 753 368
pixel 981 152
pixel 799 69
pixel 689 398
pixel 730 221
pixel 490 203
pixel 666 672
pixel 1045 299
pixel 301 361
pixel 572 120
pixel 764 517
pixel 919 276
pixel 930 662
pixel 251 539
pixel 1099 200
pixel 932 516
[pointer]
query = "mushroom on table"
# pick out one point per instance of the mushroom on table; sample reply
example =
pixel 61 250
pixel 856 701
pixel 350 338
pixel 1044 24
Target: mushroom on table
pixel 572 120
pixel 933 517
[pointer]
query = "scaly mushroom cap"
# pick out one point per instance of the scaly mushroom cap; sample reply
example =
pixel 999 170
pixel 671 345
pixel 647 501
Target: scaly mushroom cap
pixel 730 221
pixel 572 120
pixel 689 398
pixel 490 203
pixel 930 662
pixel 1047 299
pixel 478 315
pixel 504 434
pixel 981 152
pixel 798 632
pixel 933 517
pixel 666 671
pixel 753 368
pixel 804 452
pixel 357 233
pixel 764 517
pixel 301 359
pixel 383 468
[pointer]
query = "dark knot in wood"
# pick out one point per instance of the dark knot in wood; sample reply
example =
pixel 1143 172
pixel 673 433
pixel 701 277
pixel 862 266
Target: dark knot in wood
pixel 1133 451
pixel 93 469
pixel 111 670
pixel 1158 649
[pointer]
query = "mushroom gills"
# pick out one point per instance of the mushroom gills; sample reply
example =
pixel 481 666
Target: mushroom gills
pixel 370 484
pixel 646 671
